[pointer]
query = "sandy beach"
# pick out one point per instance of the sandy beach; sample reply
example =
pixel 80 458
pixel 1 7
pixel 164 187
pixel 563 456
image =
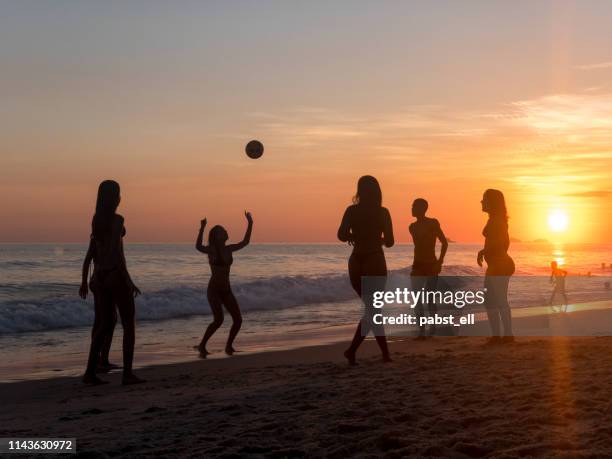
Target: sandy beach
pixel 451 397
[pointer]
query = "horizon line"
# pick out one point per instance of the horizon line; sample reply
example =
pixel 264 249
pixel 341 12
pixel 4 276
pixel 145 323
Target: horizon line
pixel 295 242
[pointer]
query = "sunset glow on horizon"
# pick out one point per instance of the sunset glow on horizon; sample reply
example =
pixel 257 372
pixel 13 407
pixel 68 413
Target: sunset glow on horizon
pixel 164 102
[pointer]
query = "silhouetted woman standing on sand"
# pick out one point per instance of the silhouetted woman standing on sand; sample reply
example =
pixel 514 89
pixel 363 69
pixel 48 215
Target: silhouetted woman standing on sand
pixel 219 291
pixel 104 365
pixel 366 225
pixel 500 266
pixel 110 283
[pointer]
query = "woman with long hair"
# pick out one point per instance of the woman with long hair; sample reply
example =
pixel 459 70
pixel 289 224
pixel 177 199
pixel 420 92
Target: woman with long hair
pixel 367 226
pixel 219 292
pixel 110 283
pixel 500 266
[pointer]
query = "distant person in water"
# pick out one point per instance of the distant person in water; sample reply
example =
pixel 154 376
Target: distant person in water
pixel 500 266
pixel 219 291
pixel 426 266
pixel 366 225
pixel 557 278
pixel 110 284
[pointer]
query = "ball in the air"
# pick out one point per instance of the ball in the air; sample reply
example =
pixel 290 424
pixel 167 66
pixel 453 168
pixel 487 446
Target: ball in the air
pixel 254 149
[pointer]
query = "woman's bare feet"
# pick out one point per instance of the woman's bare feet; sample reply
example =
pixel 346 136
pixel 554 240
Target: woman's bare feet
pixel 387 358
pixel 106 367
pixel 350 356
pixel 93 380
pixel 229 350
pixel 202 350
pixel 130 379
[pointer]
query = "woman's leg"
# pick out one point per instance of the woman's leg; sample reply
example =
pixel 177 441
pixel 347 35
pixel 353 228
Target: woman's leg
pixel 98 319
pixel 103 304
pixel 360 335
pixel 229 300
pixel 127 311
pixel 504 307
pixel 358 338
pixel 384 348
pixel 108 340
pixel 214 300
pixel 492 305
pixel 367 265
pixel 354 269
pixel 376 266
pixel 97 316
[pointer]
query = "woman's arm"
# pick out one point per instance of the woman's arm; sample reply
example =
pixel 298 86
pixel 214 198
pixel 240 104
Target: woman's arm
pixel 83 290
pixel 480 257
pixel 481 252
pixel 388 239
pixel 344 232
pixel 247 235
pixel 199 241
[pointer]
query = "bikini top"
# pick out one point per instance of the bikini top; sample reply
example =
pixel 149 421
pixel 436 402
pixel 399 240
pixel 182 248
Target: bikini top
pixel 108 250
pixel 497 240
pixel 367 225
pixel 215 259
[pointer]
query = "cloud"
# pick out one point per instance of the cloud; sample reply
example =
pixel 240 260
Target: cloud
pixel 549 143
pixel 317 126
pixel 591 194
pixel 309 126
pixel 550 123
pixel 597 66
pixel 568 113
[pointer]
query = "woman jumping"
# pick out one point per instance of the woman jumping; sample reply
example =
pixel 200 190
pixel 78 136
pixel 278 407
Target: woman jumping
pixel 219 291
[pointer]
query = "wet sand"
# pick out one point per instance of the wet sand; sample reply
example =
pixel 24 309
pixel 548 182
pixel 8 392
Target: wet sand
pixel 450 397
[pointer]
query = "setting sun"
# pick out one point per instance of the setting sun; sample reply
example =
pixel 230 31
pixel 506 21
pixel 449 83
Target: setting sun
pixel 558 221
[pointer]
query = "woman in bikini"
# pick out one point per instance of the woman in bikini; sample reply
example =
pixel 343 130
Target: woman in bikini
pixel 500 266
pixel 219 291
pixel 366 225
pixel 110 284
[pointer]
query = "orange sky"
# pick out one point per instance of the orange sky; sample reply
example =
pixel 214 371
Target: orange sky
pixel 437 102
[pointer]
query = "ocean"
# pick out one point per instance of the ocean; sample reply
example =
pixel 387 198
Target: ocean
pixel 290 294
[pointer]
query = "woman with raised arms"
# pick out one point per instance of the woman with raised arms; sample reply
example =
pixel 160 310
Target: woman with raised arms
pixel 219 291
